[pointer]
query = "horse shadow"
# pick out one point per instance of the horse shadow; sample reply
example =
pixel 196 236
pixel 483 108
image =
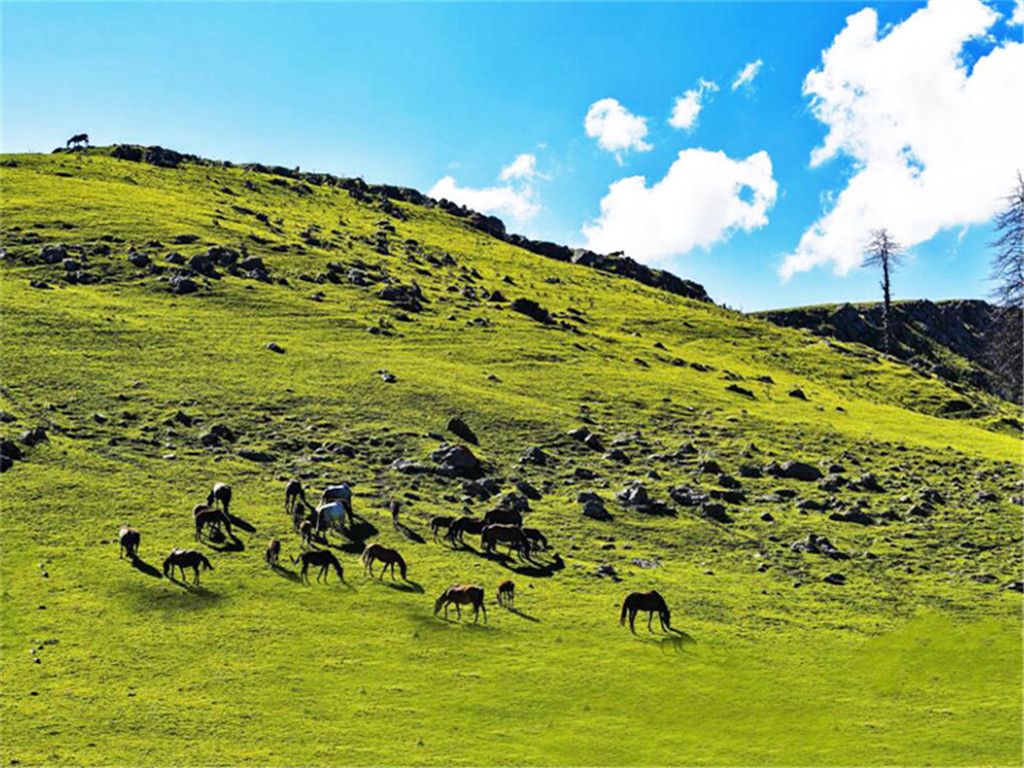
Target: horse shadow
pixel 238 522
pixel 234 544
pixel 357 534
pixel 409 533
pixel 286 573
pixel 195 589
pixel 142 566
pixel 529 567
pixel 678 642
pixel 523 615
pixel 408 585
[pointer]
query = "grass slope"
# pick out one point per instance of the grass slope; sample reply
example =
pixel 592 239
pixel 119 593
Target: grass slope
pixel 915 660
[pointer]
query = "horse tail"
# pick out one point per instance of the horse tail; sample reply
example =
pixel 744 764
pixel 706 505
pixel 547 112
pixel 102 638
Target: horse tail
pixel 625 609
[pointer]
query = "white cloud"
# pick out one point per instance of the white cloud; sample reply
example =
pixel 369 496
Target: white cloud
pixel 688 106
pixel 934 144
pixel 523 167
pixel 704 197
pixel 1017 18
pixel 507 200
pixel 616 128
pixel 746 75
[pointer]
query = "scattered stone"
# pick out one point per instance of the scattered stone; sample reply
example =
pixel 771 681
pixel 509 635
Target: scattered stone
pixel 853 516
pixel 740 390
pixel 709 467
pixel 33 436
pixel 715 512
pixel 687 496
pixel 261 457
pixel 748 470
pixel 986 497
pixel 835 578
pixel 798 470
pixel 818 545
pixel 531 309
pixel 181 285
pixel 460 429
pixel 138 259
pixel 617 454
pixel 535 455
pixel 273 347
pixel 387 377
pixel 866 482
pixel 609 571
pixel 527 490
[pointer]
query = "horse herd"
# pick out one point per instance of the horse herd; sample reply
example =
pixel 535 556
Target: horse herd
pixel 499 526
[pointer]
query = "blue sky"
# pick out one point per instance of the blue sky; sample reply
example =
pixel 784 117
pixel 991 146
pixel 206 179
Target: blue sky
pixel 415 94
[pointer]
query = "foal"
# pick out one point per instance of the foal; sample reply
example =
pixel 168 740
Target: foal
pixel 129 538
pixel 389 557
pixel 507 593
pixel 273 551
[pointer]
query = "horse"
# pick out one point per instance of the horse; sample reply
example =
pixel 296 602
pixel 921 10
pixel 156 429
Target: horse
pixel 78 138
pixel 463 525
pixel 389 557
pixel 395 508
pixel 538 541
pixel 186 558
pixel 492 535
pixel 503 516
pixel 294 498
pixel 437 522
pixel 214 518
pixel 332 515
pixel 651 602
pixel 507 593
pixel 221 494
pixel 273 551
pixel 321 558
pixel 462 594
pixel 306 532
pixel 129 538
pixel 338 493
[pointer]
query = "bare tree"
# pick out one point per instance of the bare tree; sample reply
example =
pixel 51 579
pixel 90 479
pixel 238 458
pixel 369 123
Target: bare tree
pixel 1005 349
pixel 883 251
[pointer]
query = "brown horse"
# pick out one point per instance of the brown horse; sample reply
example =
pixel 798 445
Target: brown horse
pixel 462 594
pixel 507 593
pixel 273 552
pixel 440 521
pixel 503 516
pixel 186 558
pixel 294 500
pixel 512 535
pixel 389 558
pixel 463 525
pixel 213 518
pixel 307 530
pixel 221 495
pixel 129 538
pixel 538 541
pixel 321 558
pixel 78 138
pixel 651 602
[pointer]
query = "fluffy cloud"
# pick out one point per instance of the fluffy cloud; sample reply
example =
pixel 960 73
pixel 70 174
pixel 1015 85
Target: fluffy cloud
pixel 523 167
pixel 688 106
pixel 746 75
pixel 616 128
pixel 704 197
pixel 935 142
pixel 506 201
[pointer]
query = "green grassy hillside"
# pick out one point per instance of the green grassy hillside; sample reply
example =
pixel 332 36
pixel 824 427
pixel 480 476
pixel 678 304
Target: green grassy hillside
pixel 914 659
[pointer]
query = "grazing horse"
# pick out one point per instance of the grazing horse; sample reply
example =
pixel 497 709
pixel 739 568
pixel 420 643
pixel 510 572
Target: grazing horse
pixel 321 558
pixel 273 551
pixel 538 541
pixel 651 602
pixel 332 515
pixel 441 521
pixel 186 558
pixel 503 516
pixel 129 538
pixel 294 499
pixel 462 594
pixel 389 557
pixel 512 535
pixel 507 593
pixel 307 529
pixel 78 138
pixel 463 525
pixel 221 494
pixel 338 493
pixel 214 518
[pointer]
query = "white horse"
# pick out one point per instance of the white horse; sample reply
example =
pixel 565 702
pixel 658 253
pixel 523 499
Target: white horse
pixel 335 505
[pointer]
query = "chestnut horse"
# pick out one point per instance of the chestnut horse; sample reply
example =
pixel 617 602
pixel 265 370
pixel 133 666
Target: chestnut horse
pixel 129 538
pixel 462 594
pixel 440 521
pixel 295 500
pixel 512 535
pixel 463 525
pixel 651 602
pixel 213 518
pixel 186 558
pixel 389 558
pixel 507 593
pixel 321 558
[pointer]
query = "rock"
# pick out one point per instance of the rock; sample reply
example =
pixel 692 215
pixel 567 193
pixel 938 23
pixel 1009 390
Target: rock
pixel 866 482
pixel 184 239
pixel 208 439
pixel 40 284
pixel 34 436
pixel 251 264
pixel 535 455
pixel 748 470
pixel 715 512
pixel 582 473
pixel 797 393
pixel 609 571
pixel 460 429
pixel 225 257
pixel 797 470
pixel 767 517
pixel 53 254
pixel 835 578
pixel 687 496
pixel 387 377
pixel 986 497
pixel 831 483
pixel 984 578
pixel 175 258
pixel 709 467
pixel 457 460
pixel 275 348
pixel 261 457
pixel 617 454
pixel 181 285
pixel 482 489
pixel 138 259
pixel 853 516
pixel 818 545
pixel 1015 586
pixel 634 495
pixel 593 442
pixel 580 433
pixel 527 490
pixel 641 563
pixel 531 309
pixel 6 417
pixel 740 390
pixel 11 450
pixel 202 265
pixel 730 497
pixel 407 297
pixel 729 482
